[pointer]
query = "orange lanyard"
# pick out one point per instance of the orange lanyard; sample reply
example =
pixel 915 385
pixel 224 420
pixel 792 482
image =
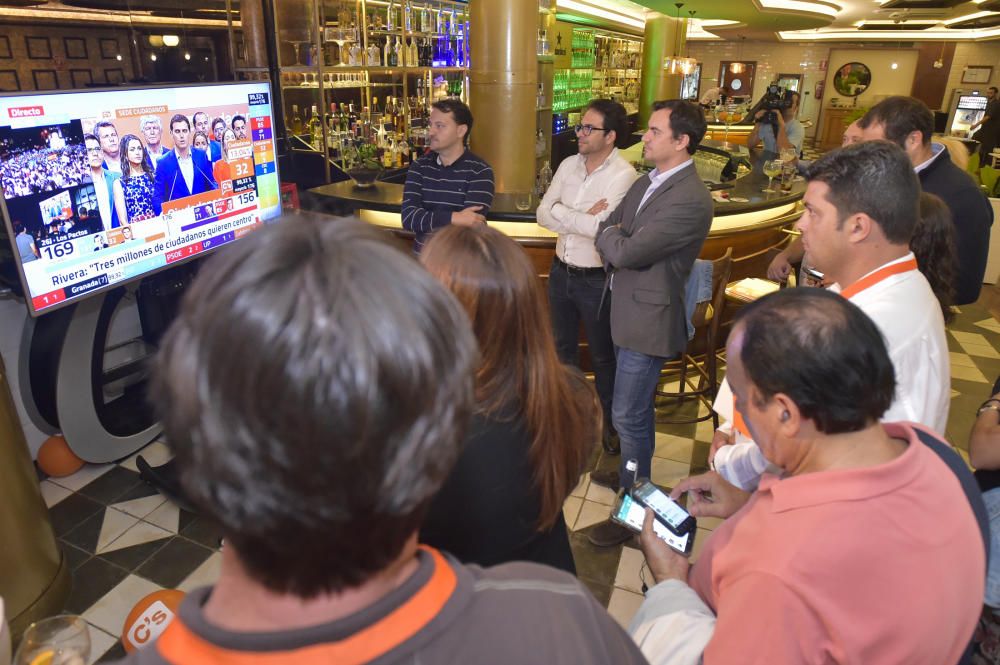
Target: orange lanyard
pixel 874 278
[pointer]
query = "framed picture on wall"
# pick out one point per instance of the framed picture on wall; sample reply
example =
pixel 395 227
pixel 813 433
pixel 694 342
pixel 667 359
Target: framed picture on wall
pixel 38 48
pixel 45 79
pixel 977 74
pixel 109 48
pixel 5 47
pixel 76 48
pixel 81 78
pixel 114 76
pixel 9 81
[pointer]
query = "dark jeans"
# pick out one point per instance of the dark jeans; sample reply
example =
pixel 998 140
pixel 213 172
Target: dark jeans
pixel 575 295
pixel 635 387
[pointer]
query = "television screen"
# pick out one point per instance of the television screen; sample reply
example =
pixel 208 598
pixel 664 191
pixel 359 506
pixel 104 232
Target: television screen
pixel 104 187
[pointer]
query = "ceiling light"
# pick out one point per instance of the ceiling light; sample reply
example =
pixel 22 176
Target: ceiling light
pixel 573 5
pixel 171 40
pixel 830 10
pixel 187 56
pixel 894 65
pixel 118 57
pixel 152 56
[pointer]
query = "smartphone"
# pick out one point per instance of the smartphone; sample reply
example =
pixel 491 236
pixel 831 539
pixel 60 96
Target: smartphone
pixel 669 511
pixel 813 274
pixel 631 514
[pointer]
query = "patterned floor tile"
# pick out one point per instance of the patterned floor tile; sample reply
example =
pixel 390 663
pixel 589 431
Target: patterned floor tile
pixel 630 565
pixel 85 476
pixel 623 605
pixel 138 534
pixel 110 485
pixel 571 509
pixel 111 610
pixel 172 564
pixel 672 447
pixel 591 513
pixel 156 453
pixel 581 487
pixel 91 581
pixel 967 374
pixel 52 493
pixel 100 643
pixel 599 494
pixel 71 512
pixel 140 507
pixel 961 360
pixel 204 575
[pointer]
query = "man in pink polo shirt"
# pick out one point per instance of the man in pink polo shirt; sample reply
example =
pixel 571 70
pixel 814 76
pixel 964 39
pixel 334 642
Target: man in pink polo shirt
pixel 866 549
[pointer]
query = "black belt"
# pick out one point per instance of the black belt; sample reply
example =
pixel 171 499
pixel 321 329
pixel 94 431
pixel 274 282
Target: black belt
pixel 581 272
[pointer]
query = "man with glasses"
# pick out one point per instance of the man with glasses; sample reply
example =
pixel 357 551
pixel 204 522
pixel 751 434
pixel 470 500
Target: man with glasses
pixel 650 243
pixel 104 181
pixel 584 192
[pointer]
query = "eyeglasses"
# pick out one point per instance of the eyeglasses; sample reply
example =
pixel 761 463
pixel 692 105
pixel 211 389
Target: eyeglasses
pixel 587 129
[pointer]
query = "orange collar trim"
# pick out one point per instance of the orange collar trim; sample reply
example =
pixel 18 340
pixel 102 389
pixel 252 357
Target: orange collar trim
pixel 871 279
pixel 178 644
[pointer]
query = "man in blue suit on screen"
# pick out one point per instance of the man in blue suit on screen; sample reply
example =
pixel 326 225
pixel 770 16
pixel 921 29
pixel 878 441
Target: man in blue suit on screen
pixel 183 171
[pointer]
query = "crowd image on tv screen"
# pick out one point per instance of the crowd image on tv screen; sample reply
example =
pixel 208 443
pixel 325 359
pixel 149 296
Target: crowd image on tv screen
pixel 41 159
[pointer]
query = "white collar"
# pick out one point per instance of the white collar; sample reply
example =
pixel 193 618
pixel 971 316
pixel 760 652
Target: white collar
pixel 610 157
pixel 658 178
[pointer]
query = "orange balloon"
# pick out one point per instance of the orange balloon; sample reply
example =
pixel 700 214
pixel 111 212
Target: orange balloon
pixel 56 459
pixel 149 618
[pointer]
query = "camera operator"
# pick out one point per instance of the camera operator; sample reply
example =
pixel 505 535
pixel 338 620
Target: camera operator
pixel 778 129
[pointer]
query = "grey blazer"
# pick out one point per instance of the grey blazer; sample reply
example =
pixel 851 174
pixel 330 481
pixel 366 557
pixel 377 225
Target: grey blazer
pixel 649 252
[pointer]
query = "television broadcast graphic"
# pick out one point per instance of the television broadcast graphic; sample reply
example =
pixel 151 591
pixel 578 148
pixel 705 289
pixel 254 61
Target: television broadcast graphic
pixel 104 187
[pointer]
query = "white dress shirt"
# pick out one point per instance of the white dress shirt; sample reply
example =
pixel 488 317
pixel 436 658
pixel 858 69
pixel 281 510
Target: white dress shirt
pixel 909 317
pixel 103 199
pixel 186 165
pixel 572 193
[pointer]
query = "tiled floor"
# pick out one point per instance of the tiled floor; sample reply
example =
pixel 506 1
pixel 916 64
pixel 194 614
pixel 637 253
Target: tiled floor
pixel 124 541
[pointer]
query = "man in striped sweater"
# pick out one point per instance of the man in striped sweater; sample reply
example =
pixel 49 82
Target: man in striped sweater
pixel 448 185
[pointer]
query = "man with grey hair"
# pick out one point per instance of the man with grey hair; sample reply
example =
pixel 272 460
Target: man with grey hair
pixel 321 494
pixel 152 131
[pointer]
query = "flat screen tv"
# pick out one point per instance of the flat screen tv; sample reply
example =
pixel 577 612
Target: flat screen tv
pixel 107 186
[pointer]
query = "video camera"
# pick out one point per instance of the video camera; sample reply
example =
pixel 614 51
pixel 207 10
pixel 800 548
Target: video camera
pixel 774 100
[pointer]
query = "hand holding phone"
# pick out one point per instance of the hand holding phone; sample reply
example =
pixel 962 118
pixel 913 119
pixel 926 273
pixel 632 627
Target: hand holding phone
pixel 663 563
pixel 671 513
pixel 631 514
pixel 710 495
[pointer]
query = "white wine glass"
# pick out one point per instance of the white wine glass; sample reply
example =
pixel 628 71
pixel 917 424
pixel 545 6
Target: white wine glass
pixel 772 168
pixel 58 640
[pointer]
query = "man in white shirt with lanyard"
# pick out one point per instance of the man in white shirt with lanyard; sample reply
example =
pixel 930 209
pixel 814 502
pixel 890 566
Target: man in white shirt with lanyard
pixel 861 206
pixel 584 192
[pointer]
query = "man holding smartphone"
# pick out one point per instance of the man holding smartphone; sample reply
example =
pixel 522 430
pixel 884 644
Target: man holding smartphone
pixel 869 547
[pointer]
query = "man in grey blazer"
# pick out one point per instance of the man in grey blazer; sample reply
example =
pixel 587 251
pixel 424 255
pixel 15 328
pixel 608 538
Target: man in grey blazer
pixel 649 244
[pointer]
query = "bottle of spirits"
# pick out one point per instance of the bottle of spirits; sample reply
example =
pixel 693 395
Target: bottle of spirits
pixel 375 108
pixel 545 177
pixel 374 55
pixel 390 23
pixel 397 52
pixel 296 120
pixel 316 130
pixel 414 56
pixel 408 17
pixel 387 54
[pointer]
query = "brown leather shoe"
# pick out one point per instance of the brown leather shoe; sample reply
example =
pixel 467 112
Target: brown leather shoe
pixel 607 479
pixel 608 534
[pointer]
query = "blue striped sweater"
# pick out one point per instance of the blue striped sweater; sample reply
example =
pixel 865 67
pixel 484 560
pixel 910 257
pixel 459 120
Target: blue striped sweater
pixel 434 191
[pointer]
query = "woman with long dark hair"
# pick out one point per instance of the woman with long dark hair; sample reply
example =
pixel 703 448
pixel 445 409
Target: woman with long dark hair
pixel 933 245
pixel 537 422
pixel 133 192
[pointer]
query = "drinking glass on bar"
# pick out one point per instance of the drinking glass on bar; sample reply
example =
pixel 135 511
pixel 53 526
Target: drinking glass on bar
pixel 58 640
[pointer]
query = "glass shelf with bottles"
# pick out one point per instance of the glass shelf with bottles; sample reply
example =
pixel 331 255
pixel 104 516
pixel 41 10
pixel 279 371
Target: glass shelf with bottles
pixel 571 88
pixel 614 51
pixel 582 49
pixel 416 34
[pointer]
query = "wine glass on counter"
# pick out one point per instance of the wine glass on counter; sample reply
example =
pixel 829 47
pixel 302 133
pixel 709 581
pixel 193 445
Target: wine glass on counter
pixel 772 168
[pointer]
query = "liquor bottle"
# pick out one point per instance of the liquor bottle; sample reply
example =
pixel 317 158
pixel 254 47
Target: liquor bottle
pixel 316 130
pixel 387 156
pixel 374 55
pixel 332 136
pixel 387 54
pixel 545 177
pixel 296 120
pixel 397 52
pixel 390 113
pixel 375 108
pixel 408 17
pixel 390 24
pixel 413 56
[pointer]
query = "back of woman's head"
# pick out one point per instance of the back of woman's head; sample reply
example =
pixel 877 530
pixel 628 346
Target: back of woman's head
pixel 519 371
pixel 933 245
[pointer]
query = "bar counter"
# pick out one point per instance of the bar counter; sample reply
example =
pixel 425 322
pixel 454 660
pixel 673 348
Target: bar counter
pixel 753 228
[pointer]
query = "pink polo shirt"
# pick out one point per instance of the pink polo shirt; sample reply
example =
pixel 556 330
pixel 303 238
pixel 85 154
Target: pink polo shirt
pixel 876 565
